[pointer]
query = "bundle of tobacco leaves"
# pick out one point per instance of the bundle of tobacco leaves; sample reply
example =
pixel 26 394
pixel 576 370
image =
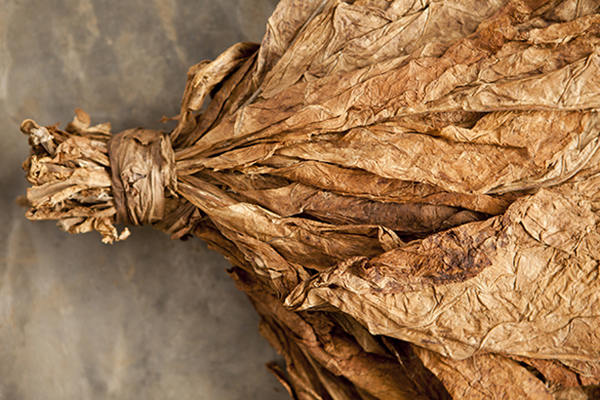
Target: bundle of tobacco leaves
pixel 408 192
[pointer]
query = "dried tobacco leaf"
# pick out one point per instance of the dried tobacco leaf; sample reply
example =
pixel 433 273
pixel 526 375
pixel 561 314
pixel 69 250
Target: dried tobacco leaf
pixel 407 192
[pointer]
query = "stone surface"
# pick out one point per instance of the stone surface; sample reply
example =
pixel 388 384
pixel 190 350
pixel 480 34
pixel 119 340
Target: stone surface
pixel 148 318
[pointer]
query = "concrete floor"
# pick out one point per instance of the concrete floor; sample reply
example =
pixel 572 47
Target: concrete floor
pixel 148 318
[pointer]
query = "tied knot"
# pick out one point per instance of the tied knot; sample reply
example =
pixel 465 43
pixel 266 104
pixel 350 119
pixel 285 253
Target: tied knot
pixel 143 168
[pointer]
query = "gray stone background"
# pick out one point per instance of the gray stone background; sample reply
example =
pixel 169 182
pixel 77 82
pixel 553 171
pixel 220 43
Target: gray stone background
pixel 148 318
